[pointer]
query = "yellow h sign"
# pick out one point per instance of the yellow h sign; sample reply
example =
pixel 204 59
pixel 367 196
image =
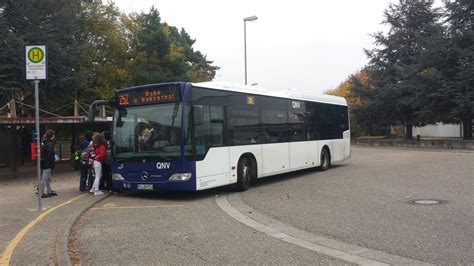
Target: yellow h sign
pixel 35 55
pixel 35 62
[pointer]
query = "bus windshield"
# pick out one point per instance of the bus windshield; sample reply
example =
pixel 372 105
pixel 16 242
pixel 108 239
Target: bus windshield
pixel 150 131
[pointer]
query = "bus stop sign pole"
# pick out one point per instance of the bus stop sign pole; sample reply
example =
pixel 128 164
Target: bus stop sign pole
pixel 35 59
pixel 39 188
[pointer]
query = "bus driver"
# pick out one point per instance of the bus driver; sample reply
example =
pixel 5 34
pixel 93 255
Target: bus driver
pixel 148 134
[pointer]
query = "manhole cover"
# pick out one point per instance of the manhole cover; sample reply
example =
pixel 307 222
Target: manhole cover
pixel 427 202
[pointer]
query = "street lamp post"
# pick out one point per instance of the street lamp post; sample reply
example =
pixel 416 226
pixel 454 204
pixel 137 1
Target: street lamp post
pixel 251 18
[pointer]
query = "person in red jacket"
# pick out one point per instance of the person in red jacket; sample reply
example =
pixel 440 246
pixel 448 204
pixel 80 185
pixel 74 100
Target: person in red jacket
pixel 98 143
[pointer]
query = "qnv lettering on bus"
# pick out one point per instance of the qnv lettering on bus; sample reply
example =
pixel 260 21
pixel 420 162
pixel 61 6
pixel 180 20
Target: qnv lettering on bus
pixel 296 105
pixel 163 165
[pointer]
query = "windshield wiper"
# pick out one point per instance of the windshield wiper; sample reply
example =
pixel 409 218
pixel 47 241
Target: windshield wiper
pixel 175 113
pixel 128 160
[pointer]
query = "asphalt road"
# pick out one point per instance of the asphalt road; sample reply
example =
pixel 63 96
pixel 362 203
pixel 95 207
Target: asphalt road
pixel 178 229
pixel 364 202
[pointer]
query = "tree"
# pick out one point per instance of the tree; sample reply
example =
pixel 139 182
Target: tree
pixel 459 73
pixel 11 59
pixel 155 59
pixel 200 69
pixel 91 50
pixel 369 116
pixel 395 68
pixel 162 53
pixel 106 60
pixel 56 24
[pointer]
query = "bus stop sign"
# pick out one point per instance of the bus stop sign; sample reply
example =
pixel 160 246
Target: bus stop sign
pixel 35 62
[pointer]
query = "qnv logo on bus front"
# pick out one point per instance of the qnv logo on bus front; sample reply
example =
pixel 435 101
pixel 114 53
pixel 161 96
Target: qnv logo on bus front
pixel 296 105
pixel 163 165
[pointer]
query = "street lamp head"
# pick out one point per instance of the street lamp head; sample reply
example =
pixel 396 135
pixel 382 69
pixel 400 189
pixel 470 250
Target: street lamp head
pixel 251 18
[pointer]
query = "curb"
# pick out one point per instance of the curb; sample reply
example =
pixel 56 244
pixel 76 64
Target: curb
pixel 429 144
pixel 62 251
pixel 234 206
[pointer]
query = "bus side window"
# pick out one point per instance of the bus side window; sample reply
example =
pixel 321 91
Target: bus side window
pixel 312 121
pixel 244 126
pixel 274 119
pixel 217 125
pixel 202 130
pixel 344 117
pixel 210 131
pixel 296 121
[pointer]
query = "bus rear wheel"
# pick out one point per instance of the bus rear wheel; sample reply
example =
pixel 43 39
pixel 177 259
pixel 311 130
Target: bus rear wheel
pixel 244 173
pixel 325 160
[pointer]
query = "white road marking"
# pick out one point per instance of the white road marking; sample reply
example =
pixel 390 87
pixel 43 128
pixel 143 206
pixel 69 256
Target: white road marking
pixel 329 247
pixel 36 209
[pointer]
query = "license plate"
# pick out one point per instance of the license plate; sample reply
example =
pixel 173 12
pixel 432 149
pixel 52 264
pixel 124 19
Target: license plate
pixel 145 186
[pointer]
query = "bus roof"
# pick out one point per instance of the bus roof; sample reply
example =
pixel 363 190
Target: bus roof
pixel 290 94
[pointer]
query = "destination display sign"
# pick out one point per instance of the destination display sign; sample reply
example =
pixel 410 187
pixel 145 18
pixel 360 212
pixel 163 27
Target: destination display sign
pixel 149 95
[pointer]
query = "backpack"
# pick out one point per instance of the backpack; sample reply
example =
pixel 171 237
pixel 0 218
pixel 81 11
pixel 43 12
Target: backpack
pixel 77 155
pixel 87 157
pixel 80 149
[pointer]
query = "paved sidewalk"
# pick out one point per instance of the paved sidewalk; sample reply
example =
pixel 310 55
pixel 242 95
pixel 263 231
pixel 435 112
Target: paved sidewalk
pixel 19 207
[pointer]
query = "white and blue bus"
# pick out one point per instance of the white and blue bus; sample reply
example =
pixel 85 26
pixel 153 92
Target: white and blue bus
pixel 196 136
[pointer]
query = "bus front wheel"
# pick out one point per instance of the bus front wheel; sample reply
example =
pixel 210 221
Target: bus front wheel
pixel 244 174
pixel 325 160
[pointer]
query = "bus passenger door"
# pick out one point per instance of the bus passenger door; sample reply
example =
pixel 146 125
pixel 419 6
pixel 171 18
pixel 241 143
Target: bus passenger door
pixel 213 169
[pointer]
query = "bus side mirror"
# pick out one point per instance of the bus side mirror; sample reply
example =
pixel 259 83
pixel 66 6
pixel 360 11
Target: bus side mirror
pixel 197 114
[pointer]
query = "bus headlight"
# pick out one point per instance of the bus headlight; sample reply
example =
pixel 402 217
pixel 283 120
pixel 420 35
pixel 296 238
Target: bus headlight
pixel 117 177
pixel 180 177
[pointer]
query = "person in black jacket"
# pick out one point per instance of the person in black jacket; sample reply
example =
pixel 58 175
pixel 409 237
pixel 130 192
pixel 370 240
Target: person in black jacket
pixel 85 171
pixel 47 164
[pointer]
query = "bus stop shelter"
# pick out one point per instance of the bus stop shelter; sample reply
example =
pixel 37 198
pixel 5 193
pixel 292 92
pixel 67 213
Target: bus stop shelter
pixel 17 134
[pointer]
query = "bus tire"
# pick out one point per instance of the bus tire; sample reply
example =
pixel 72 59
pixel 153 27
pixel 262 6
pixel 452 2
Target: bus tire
pixel 325 160
pixel 244 173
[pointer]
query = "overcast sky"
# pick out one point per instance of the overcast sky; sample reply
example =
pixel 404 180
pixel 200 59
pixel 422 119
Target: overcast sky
pixel 300 44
